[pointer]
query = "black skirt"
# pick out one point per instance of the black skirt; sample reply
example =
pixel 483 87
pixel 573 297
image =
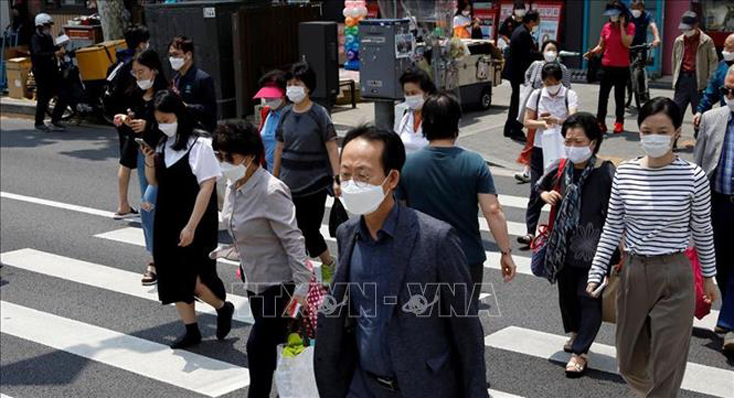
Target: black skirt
pixel 178 267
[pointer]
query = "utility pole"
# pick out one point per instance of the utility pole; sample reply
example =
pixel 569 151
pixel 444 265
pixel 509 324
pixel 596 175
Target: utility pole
pixel 111 15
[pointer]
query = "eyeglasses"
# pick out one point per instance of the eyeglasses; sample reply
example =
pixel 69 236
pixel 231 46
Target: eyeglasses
pixel 726 91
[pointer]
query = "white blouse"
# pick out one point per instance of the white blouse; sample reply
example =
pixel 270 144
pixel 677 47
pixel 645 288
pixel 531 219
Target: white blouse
pixel 413 140
pixel 202 161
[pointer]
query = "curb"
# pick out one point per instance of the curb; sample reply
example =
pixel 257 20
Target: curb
pixel 17 109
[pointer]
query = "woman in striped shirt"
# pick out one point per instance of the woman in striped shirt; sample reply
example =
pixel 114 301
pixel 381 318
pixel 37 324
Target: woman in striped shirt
pixel 658 202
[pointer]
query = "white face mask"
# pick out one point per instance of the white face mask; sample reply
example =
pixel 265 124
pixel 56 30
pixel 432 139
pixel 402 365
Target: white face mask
pixel 535 29
pixel 362 201
pixel 466 13
pixel 636 13
pixel 656 145
pixel 145 84
pixel 614 18
pixel 729 103
pixel 233 172
pixel 176 62
pixel 578 154
pixel 520 13
pixel 169 129
pixel 296 94
pixel 414 102
pixel 550 56
pixel 553 90
pixel 144 46
pixel 272 103
pixel 728 56
pixel 690 33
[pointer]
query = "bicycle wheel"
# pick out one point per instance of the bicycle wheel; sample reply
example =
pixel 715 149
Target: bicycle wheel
pixel 628 94
pixel 644 87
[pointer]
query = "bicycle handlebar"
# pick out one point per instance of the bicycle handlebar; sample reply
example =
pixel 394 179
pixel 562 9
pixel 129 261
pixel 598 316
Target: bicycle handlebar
pixel 645 46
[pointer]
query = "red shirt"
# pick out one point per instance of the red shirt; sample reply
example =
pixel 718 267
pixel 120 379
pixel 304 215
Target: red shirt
pixel 615 53
pixel 690 48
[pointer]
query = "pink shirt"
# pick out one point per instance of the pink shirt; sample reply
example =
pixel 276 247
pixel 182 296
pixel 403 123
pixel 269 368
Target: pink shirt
pixel 615 53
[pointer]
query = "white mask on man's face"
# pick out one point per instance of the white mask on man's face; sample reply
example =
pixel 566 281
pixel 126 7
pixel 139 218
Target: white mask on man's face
pixel 362 200
pixel 727 55
pixel 636 13
pixel 177 62
pixel 520 13
pixel 729 103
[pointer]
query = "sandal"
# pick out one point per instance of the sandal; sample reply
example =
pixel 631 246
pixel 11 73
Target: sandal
pixel 574 369
pixel 568 347
pixel 122 216
pixel 150 277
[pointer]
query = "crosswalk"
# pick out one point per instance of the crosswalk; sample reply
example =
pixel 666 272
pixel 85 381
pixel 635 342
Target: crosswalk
pixel 203 375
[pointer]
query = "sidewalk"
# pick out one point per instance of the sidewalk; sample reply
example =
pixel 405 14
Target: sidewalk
pixel 481 131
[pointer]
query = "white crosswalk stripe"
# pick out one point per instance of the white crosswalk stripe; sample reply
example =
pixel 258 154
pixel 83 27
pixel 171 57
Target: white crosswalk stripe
pixel 698 378
pixel 102 277
pixel 180 368
pixel 212 377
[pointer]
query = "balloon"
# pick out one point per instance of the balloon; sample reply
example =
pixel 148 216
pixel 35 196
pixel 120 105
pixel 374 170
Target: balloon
pixel 353 46
pixel 349 39
pixel 362 11
pixel 345 12
pixel 355 30
pixel 354 12
pixel 350 22
pixel 351 55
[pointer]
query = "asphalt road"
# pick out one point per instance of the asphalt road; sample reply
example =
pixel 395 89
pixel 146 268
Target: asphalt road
pixel 76 322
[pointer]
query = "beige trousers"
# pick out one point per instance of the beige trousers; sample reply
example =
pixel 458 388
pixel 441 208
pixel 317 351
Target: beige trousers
pixel 655 305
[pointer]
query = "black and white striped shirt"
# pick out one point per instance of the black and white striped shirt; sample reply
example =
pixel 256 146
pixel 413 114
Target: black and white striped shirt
pixel 657 210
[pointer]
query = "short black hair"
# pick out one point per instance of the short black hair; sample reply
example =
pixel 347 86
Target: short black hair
pixel 638 2
pixel 393 152
pixel 661 105
pixel 276 77
pixel 587 122
pixel 550 41
pixel 531 16
pixel 167 101
pixel 551 69
pixel 303 72
pixel 419 77
pixel 441 114
pixel 182 43
pixel 239 136
pixel 135 35
pixel 519 5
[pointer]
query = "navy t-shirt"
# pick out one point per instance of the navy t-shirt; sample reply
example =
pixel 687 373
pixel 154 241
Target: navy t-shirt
pixel 642 24
pixel 444 183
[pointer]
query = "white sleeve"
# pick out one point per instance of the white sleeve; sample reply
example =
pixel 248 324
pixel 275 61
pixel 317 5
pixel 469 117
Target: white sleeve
pixel 573 99
pixel 532 100
pixel 203 163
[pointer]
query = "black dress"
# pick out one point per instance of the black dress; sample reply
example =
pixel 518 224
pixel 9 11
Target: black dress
pixel 178 267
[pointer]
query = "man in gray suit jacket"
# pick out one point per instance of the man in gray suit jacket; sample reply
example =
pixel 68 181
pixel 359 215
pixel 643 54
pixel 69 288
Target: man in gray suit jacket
pixel 715 154
pixel 400 321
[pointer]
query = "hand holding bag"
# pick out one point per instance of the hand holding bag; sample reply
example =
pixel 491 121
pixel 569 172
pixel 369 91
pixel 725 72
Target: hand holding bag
pixel 609 295
pixel 702 307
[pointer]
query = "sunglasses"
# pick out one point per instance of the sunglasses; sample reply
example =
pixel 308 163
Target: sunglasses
pixel 726 91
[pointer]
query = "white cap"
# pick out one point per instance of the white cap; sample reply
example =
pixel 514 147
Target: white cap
pixel 62 40
pixel 43 19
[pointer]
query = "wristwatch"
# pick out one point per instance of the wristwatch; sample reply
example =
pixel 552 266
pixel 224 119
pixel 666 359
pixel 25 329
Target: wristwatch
pixel 506 252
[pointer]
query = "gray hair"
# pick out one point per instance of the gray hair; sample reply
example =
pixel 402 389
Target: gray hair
pixel 730 72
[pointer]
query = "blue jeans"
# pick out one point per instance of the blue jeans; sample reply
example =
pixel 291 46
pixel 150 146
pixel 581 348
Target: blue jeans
pixel 148 194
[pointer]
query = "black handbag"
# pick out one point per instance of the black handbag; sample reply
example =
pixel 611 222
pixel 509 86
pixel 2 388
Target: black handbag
pixel 336 217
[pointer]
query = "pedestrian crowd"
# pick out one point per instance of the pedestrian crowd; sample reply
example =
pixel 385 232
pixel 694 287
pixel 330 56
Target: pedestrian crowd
pixel 415 195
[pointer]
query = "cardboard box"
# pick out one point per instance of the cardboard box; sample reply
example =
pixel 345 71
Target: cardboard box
pixel 94 60
pixel 18 70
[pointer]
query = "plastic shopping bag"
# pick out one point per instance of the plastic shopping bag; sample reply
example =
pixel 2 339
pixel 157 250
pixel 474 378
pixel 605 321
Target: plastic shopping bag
pixel 294 376
pixel 553 147
pixel 702 307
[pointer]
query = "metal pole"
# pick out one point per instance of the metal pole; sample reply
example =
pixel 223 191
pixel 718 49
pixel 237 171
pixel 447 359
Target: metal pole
pixel 385 114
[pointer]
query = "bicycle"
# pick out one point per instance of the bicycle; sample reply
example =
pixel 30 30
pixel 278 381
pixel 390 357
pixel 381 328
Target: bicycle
pixel 637 86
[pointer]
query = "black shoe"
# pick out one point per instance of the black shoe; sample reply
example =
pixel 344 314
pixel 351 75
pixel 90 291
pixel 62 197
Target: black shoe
pixel 191 338
pixel 43 127
pixel 224 320
pixel 520 137
pixel 56 126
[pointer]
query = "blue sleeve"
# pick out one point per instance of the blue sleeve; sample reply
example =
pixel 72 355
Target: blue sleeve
pixel 485 182
pixel 711 94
